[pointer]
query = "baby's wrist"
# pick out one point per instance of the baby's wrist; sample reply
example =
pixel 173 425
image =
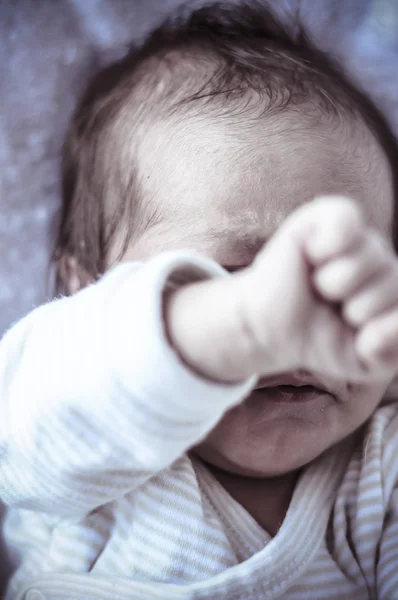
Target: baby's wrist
pixel 201 325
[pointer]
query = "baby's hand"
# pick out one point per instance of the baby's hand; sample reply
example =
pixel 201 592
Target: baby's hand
pixel 324 295
pixel 321 296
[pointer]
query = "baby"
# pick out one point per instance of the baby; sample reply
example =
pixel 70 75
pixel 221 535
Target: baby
pixel 172 431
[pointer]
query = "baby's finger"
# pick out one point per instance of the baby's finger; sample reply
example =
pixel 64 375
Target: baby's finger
pixel 339 279
pixel 377 342
pixel 326 227
pixel 334 226
pixel 376 297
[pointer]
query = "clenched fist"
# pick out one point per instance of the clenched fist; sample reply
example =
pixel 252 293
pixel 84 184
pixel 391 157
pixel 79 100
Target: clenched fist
pixel 321 296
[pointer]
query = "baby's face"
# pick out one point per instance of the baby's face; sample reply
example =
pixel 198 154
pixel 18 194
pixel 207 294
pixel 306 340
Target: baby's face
pixel 225 198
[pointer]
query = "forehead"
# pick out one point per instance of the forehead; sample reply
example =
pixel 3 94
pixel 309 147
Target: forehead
pixel 223 190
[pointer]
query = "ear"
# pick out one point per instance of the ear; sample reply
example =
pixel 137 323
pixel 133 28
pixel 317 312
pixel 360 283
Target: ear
pixel 72 275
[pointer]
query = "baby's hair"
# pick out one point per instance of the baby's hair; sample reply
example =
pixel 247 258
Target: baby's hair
pixel 227 61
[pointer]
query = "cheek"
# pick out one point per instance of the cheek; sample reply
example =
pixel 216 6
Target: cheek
pixel 363 401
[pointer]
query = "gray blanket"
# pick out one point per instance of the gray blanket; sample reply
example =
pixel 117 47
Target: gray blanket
pixel 48 48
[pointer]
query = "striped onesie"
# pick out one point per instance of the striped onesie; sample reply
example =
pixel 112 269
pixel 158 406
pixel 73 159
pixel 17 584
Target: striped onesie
pixel 105 501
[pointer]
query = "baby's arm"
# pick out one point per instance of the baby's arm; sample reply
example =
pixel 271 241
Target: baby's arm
pixel 93 398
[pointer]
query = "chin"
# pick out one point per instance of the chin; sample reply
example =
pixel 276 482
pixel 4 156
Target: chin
pixel 257 461
pixel 274 432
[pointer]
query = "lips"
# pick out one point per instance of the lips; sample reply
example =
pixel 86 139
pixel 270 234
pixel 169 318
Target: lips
pixel 290 393
pixel 295 379
pixel 293 387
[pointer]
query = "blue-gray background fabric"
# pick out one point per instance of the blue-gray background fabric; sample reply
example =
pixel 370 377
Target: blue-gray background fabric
pixel 48 48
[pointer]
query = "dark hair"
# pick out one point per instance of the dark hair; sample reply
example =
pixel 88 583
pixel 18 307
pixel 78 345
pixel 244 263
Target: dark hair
pixel 249 50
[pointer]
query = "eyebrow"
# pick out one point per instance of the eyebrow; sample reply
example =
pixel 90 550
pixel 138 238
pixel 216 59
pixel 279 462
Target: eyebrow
pixel 239 244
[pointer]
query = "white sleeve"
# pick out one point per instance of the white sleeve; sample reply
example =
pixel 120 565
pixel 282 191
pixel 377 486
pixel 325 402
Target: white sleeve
pixel 93 399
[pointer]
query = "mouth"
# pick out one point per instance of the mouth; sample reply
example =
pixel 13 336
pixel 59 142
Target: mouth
pixel 290 393
pixel 292 388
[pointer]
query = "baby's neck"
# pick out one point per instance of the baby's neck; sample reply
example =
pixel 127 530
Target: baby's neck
pixel 266 500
